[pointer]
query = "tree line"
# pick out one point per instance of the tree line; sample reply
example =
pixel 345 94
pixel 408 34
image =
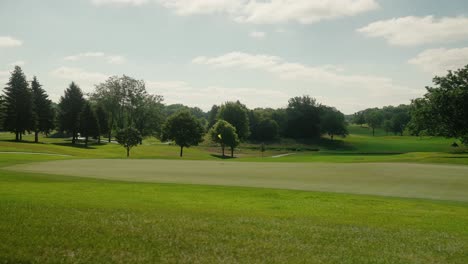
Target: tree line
pixel 442 111
pixel 121 108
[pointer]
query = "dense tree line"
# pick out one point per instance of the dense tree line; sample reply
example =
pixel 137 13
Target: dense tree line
pixel 393 119
pixel 121 108
pixel 443 111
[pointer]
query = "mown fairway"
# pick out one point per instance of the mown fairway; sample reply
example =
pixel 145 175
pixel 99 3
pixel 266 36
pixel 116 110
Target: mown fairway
pixel 449 182
pixel 141 211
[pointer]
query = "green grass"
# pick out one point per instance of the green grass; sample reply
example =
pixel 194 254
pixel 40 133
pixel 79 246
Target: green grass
pixel 449 182
pixel 47 218
pixel 50 219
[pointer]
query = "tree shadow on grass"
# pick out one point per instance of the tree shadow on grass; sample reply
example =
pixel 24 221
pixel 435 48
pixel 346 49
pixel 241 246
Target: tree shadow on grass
pixel 222 157
pixel 77 145
pixel 22 141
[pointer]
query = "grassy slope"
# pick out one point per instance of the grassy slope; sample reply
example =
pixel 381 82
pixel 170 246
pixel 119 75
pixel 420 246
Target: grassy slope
pixel 67 219
pixel 46 218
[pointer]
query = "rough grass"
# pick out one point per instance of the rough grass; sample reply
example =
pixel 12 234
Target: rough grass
pixel 57 219
pixel 62 219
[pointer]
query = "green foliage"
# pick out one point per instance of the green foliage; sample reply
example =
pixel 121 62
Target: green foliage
pixel 148 118
pixel 89 123
pixel 225 134
pixel 445 106
pixel 43 113
pixel 184 129
pixel 103 121
pixel 236 114
pixel 333 122
pixel 18 112
pixel 303 118
pixel 212 116
pixel 374 119
pixel 70 107
pixel 128 137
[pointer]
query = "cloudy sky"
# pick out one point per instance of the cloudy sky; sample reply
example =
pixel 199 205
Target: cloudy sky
pixel 351 54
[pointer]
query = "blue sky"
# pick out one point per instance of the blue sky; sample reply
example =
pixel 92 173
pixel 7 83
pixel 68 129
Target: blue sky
pixel 351 54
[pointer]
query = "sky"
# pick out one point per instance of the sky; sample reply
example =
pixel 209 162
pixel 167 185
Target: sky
pixel 350 54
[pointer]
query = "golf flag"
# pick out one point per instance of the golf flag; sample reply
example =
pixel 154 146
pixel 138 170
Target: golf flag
pixel 219 136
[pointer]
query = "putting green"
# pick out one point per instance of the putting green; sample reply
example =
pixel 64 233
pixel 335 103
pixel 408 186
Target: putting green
pixel 445 182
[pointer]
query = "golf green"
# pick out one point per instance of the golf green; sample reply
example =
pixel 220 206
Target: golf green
pixel 444 182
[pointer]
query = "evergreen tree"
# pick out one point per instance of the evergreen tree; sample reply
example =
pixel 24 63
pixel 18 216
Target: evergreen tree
pixel 17 104
pixel 43 113
pixel 70 107
pixel 89 125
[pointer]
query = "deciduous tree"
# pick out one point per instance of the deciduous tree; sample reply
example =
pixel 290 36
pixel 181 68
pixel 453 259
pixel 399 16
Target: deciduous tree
pixel 184 129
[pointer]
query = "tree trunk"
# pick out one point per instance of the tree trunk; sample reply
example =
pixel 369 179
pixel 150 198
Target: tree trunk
pixel 128 152
pixel 181 150
pixel 73 137
pixel 17 136
pixel 222 149
pixel 373 131
pixel 110 135
pixel 99 139
pixel 86 141
pixel 21 136
pixel 232 152
pixel 331 136
pixel 36 136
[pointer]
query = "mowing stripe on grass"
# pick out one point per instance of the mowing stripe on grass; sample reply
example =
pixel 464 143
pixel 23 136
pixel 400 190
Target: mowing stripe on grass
pixel 445 182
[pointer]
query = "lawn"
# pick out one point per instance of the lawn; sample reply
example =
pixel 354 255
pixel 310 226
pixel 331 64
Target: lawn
pixel 156 208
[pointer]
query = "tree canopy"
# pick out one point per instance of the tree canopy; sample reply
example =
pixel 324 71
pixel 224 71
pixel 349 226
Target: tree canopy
pixel 128 137
pixel 225 134
pixel 235 113
pixel 184 129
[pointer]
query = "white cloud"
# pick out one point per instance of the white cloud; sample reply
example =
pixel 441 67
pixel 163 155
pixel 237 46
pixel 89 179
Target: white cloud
pixel 4 73
pixel 205 97
pixel 8 42
pixel 115 59
pixel 439 61
pixel 262 12
pixel 112 59
pixel 119 2
pixel 257 34
pixel 413 31
pixel 78 74
pixel 329 74
pixel 17 63
pixel 325 78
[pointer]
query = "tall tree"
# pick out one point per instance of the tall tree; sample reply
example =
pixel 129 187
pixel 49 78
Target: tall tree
pixel 103 121
pixel 333 122
pixel 183 128
pixel 89 124
pixel 235 113
pixel 128 137
pixel 148 118
pixel 213 115
pixel 374 119
pixel 303 118
pixel 43 113
pixel 70 107
pixel 17 104
pixel 225 134
pixel 446 104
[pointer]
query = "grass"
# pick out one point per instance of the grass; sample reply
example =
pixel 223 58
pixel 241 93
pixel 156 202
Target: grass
pixel 47 218
pixel 50 219
pixel 448 182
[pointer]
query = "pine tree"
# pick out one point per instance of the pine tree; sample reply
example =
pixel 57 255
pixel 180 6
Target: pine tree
pixel 17 104
pixel 43 113
pixel 89 125
pixel 70 107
